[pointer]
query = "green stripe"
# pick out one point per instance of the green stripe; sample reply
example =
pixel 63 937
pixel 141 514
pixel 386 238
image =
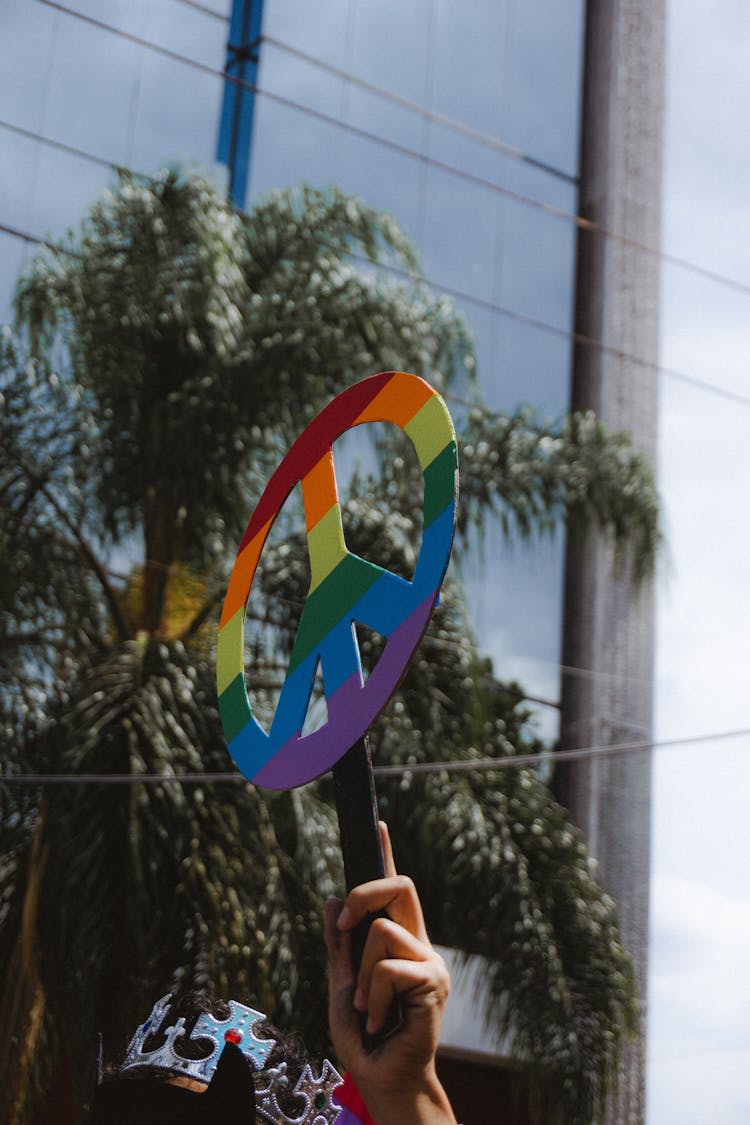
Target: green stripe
pixel 439 483
pixel 330 601
pixel 234 708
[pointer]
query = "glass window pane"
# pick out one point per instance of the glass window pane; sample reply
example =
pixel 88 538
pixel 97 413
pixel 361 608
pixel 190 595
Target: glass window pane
pixel 468 154
pixel 18 162
pixel 471 62
pixel 529 367
pixel 458 233
pixel 221 7
pixel 322 30
pixel 177 113
pixel 537 264
pixel 546 76
pixel 64 188
pixel 125 15
pixel 514 591
pixel 92 88
pixel 27 40
pixel 290 147
pixel 14 254
pixel 188 31
pixel 392 46
pixel 301 81
pixel 383 178
pixel 512 69
pixel 375 114
pixel 177 26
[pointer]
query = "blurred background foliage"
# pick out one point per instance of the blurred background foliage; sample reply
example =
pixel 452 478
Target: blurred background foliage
pixel 162 361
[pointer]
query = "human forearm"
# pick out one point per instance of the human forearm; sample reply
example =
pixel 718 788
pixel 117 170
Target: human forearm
pixel 423 1103
pixel 397 1080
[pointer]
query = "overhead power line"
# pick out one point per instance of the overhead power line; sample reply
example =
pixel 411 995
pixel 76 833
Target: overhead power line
pixel 451 123
pixel 477 765
pixel 548 208
pixel 205 10
pixel 458 294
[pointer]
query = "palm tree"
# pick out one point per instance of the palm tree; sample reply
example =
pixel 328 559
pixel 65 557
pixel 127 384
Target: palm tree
pixel 165 356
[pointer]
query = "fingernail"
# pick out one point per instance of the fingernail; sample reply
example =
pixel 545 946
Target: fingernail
pixel 344 919
pixel 360 1000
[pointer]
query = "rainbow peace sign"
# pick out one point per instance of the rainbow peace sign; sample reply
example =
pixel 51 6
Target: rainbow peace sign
pixel 344 588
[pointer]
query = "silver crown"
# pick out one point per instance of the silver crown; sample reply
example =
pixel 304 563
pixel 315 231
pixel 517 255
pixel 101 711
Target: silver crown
pixel 315 1094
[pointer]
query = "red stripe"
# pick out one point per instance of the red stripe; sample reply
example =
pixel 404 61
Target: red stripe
pixel 348 1096
pixel 310 446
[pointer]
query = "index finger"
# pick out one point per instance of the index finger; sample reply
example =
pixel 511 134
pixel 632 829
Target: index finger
pixel 385 842
pixel 396 895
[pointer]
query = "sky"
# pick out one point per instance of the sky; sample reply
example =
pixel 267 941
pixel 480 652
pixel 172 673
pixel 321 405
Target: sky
pixel 699 1020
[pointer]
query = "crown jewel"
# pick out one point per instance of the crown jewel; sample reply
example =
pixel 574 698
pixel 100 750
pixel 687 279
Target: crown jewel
pixel 315 1094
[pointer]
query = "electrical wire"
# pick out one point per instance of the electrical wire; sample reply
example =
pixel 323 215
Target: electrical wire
pixel 565 334
pixel 325 118
pixel 62 146
pixel 441 642
pixel 462 128
pixel 534 322
pixel 463 765
pixel 570 335
pixel 550 209
pixel 24 236
pixel 485 139
pixel 205 10
pixel 452 123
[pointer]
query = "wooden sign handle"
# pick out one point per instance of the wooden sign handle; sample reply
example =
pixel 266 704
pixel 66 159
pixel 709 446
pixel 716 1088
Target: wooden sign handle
pixel 357 810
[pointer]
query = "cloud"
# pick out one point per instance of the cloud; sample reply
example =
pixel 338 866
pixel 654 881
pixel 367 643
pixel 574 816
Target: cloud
pixel 711 1090
pixel 699 1001
pixel 699 1027
pixel 701 976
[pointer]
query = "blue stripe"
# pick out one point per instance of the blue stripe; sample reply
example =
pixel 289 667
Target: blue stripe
pixel 251 749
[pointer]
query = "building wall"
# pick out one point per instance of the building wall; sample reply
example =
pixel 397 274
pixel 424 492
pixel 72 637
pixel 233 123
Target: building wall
pixel 609 622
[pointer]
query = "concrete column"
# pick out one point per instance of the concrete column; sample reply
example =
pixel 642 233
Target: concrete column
pixel 608 625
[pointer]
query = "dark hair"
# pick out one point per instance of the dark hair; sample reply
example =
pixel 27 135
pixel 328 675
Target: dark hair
pixel 190 1006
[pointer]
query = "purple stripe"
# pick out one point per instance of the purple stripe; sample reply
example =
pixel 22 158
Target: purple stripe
pixel 351 710
pixel 349 1117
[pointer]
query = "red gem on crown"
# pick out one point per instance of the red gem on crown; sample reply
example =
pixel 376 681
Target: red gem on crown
pixel 233 1036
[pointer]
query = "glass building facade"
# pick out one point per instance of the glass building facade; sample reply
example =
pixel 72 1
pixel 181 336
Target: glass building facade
pixel 461 121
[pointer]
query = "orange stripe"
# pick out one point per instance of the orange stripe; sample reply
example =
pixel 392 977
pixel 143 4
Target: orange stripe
pixel 243 574
pixel 399 400
pixel 319 490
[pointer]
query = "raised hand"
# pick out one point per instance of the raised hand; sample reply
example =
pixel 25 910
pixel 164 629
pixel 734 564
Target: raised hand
pixel 397 1079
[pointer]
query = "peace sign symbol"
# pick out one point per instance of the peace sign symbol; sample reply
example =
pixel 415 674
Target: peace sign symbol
pixel 344 588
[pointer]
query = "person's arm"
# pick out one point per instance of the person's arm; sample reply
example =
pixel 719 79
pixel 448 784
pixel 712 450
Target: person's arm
pixel 397 1080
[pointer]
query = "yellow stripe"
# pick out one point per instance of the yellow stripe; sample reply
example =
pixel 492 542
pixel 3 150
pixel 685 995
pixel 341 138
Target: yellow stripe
pixel 430 429
pixel 230 651
pixel 326 546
